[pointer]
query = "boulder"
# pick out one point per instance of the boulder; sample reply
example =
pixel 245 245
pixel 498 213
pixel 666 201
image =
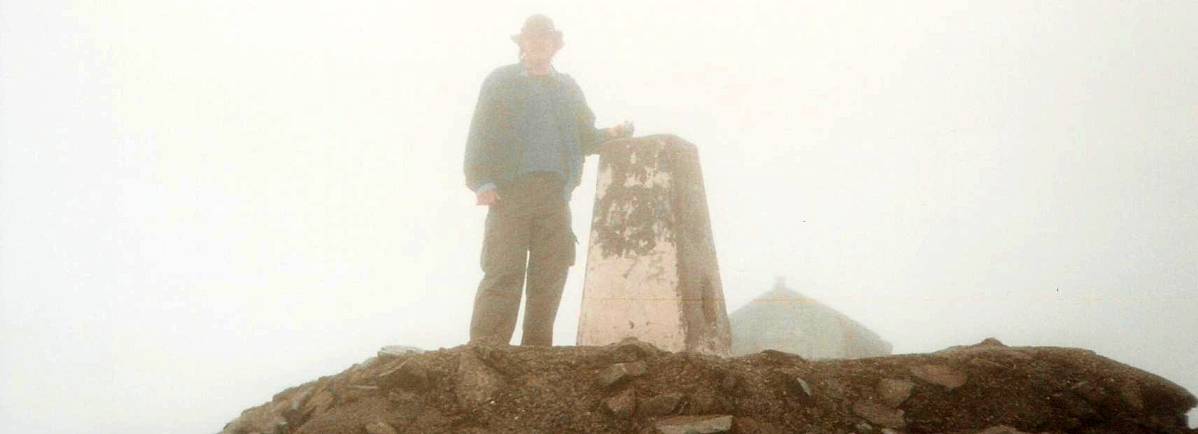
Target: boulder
pixel 894 392
pixel 622 405
pixel 477 384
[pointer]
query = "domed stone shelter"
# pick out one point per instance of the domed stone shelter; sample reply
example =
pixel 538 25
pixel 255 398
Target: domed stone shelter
pixel 784 320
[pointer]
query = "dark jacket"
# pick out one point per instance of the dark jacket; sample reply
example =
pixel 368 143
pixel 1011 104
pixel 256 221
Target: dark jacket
pixel 494 149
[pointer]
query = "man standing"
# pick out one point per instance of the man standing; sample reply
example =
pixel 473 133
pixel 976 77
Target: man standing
pixel 530 132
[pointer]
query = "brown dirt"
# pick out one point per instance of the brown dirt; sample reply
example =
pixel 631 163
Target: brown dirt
pixel 556 390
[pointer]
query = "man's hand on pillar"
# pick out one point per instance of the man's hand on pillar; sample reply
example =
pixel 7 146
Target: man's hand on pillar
pixel 620 131
pixel 487 198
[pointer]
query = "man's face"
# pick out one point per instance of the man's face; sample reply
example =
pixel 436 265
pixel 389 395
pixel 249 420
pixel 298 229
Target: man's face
pixel 540 48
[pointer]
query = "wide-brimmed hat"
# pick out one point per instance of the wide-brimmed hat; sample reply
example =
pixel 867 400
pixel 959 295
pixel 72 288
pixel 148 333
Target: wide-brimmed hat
pixel 537 25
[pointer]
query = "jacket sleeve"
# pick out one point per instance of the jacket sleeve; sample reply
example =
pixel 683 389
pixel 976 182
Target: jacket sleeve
pixel 480 142
pixel 590 137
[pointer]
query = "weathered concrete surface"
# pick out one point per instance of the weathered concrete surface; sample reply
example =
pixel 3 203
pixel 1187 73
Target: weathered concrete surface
pixel 651 270
pixel 784 320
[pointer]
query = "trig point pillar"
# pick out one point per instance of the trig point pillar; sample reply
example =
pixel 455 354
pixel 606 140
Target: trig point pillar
pixel 651 269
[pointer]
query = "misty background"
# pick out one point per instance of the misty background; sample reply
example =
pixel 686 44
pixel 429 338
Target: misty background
pixel 202 203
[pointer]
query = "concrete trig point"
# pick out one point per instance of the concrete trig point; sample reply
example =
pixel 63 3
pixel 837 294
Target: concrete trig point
pixel 651 269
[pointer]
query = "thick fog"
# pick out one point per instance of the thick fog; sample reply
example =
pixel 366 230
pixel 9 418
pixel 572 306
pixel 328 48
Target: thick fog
pixel 202 203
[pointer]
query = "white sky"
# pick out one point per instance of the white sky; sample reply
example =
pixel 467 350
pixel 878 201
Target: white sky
pixel 202 203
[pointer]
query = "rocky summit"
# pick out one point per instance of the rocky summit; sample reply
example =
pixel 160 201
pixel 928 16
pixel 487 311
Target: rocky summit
pixel 633 387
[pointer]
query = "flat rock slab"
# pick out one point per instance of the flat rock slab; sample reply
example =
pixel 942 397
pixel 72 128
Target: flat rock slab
pixel 379 428
pixel 879 414
pixel 1001 429
pixel 800 386
pixel 398 351
pixel 406 374
pixel 620 372
pixel 694 425
pixel 660 405
pixel 651 269
pixel 941 375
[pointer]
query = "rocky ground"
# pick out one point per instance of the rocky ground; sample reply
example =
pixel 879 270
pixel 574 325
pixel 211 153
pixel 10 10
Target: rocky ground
pixel 635 388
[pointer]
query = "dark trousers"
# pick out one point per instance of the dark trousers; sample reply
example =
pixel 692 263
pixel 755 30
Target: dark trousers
pixel 527 234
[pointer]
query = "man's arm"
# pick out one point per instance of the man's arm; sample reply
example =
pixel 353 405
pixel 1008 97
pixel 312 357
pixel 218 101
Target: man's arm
pixel 481 139
pixel 593 137
pixel 590 136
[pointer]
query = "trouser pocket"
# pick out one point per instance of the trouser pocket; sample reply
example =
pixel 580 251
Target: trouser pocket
pixel 505 241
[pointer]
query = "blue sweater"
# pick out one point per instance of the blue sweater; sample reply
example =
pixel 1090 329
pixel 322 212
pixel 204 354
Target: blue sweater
pixel 544 146
pixel 524 123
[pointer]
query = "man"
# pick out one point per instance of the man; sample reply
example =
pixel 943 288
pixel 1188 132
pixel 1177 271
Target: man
pixel 530 132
